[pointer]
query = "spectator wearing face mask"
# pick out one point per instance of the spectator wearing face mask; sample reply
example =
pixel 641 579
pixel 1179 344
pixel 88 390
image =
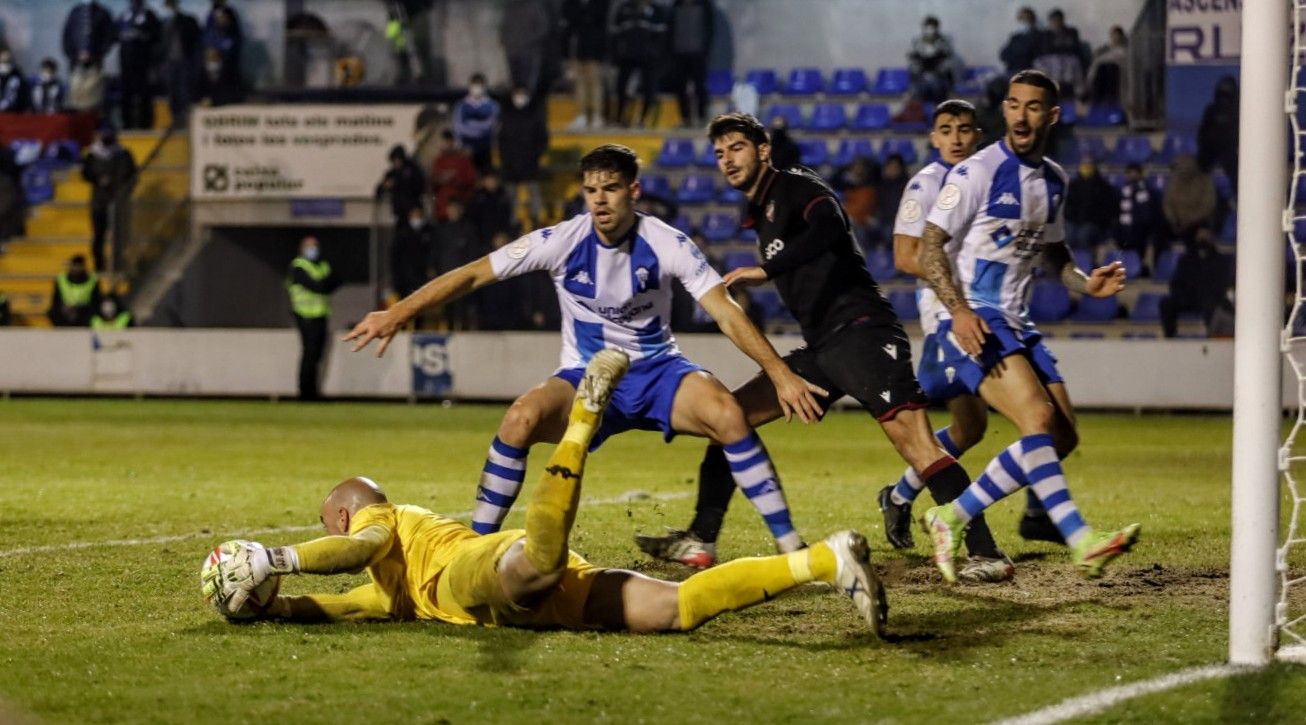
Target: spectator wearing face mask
pixel 310 282
pixel 405 183
pixel 14 95
pixel 491 210
pixel 76 295
pixel 413 242
pixel 1023 45
pixel 933 63
pixel 48 94
pixel 85 84
pixel 88 31
pixel 219 84
pixel 110 315
pixel 180 59
pixel 138 45
pixel 523 140
pixel 111 171
pixel 1092 205
pixel 474 120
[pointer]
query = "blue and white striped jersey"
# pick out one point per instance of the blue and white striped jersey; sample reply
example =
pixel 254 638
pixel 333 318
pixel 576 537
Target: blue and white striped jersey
pixel 1006 212
pixel 916 203
pixel 618 297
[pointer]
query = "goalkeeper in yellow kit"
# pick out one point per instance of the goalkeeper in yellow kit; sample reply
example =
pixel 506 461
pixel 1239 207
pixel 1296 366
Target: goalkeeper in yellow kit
pixel 425 566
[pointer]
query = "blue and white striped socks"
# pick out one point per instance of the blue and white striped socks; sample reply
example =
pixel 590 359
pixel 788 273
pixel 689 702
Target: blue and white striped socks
pixel 911 485
pixel 750 465
pixel 501 481
pixel 1032 460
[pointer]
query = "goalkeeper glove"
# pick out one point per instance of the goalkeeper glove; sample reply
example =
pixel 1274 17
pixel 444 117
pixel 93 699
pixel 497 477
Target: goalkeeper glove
pixel 250 565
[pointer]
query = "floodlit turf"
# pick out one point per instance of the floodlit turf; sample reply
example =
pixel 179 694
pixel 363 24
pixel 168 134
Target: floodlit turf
pixel 117 632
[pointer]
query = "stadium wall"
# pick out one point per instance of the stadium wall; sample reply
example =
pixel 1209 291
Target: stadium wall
pixel 1123 374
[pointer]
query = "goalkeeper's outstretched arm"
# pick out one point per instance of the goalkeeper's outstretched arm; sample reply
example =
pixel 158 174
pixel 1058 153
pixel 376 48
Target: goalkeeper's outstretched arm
pixel 252 565
pixel 360 603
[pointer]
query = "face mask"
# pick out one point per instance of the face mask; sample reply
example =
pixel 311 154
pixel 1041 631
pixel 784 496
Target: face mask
pixel 213 67
pixel 416 223
pixel 477 90
pixel 1026 26
pixel 520 101
pixel 47 76
pixel 107 310
pixel 929 33
pixel 5 68
pixel 312 253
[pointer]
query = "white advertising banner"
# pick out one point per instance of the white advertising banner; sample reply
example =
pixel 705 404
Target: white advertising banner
pixel 294 152
pixel 1202 32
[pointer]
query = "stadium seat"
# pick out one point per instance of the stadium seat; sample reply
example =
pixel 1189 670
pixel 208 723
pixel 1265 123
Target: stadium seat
pixel 746 235
pixel 847 82
pixel 870 117
pixel 1133 265
pixel 1229 232
pixel 1115 179
pixel 684 224
pixel 720 81
pixel 919 124
pixel 1103 115
pixel 892 81
pixel 656 185
pixel 1049 302
pixel 827 117
pixel 26 150
pixel 901 146
pixel 1166 261
pixel 1096 309
pixel 804 82
pixel 62 153
pixel 707 159
pixel 734 260
pixel 38 186
pixel 676 153
pixel 852 148
pixel 773 308
pixel 813 152
pixel 1224 185
pixel 1132 150
pixel 793 115
pixel 879 262
pixel 973 79
pixel 1069 113
pixel 730 195
pixel 1176 145
pixel 719 227
pixel 1147 308
pixel 695 189
pixel 1083 258
pixel 904 304
pixel 1086 147
pixel 762 79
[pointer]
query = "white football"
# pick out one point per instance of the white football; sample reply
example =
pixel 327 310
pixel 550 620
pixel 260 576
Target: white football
pixel 258 600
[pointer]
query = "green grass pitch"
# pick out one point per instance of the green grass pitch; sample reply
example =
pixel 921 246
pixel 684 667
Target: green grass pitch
pixel 116 632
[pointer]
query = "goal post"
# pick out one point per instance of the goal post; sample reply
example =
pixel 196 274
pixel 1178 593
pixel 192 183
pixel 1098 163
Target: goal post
pixel 1263 180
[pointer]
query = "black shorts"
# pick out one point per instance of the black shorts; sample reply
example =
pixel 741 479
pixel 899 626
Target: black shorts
pixel 870 362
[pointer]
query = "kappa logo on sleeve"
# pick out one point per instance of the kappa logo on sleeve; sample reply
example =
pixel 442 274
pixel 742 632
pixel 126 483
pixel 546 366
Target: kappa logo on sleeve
pixel 949 197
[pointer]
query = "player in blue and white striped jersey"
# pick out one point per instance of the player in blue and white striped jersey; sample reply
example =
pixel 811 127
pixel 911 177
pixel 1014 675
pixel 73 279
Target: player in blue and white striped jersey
pixel 1004 204
pixel 613 270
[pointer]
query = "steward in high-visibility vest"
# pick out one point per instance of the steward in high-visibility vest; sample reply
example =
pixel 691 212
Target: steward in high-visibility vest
pixel 111 316
pixel 76 295
pixel 304 301
pixel 310 282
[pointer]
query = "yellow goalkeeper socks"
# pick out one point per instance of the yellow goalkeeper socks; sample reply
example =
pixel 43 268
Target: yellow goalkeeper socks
pixel 553 506
pixel 741 583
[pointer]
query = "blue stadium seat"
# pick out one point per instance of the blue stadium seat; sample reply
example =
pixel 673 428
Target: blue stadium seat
pixel 696 189
pixel 813 152
pixel 904 304
pixel 1224 185
pixel 793 115
pixel 746 234
pixel 1104 115
pixel 720 81
pixel 1176 145
pixel 707 158
pixel 1147 308
pixel 1132 150
pixel 762 79
pixel 827 117
pixel 1115 179
pixel 1133 265
pixel 656 185
pixel 921 124
pixel 847 82
pixel 38 186
pixel 851 148
pixel 773 308
pixel 1096 309
pixel 1166 261
pixel 1158 181
pixel 1069 113
pixel 1049 302
pixel 683 224
pixel 892 81
pixel 26 150
pixel 676 153
pixel 735 260
pixel 973 80
pixel 1086 147
pixel 901 146
pixel 879 262
pixel 719 227
pixel 804 82
pixel 730 195
pixel 62 153
pixel 1083 259
pixel 870 117
pixel 1229 232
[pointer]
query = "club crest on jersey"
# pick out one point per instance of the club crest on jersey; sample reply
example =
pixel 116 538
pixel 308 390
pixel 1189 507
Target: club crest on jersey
pixel 641 276
pixel 911 210
pixel 583 277
pixel 949 196
pixel 1009 199
pixel 519 248
pixel 770 211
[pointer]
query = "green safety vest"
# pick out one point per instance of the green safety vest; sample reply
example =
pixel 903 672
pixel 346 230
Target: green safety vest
pixel 120 322
pixel 76 295
pixel 303 301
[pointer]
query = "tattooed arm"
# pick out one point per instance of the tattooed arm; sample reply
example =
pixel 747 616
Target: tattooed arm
pixel 968 328
pixel 1102 282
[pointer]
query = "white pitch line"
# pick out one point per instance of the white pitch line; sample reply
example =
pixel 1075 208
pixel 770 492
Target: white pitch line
pixel 1102 700
pixel 629 497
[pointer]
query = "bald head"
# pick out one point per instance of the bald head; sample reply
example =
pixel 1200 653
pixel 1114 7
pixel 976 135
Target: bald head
pixel 345 500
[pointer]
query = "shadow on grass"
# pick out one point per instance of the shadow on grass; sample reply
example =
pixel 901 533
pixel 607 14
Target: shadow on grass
pixel 1256 696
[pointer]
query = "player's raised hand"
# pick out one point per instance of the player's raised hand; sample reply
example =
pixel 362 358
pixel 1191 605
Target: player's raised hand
pixel 380 325
pixel 969 330
pixel 745 277
pixel 1106 281
pixel 797 395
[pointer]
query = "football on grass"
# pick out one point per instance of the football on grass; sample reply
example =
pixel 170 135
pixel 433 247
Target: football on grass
pixel 258 600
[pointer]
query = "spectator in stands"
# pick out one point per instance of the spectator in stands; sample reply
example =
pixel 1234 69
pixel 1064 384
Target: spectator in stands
pixel 76 295
pixel 1061 54
pixel 222 33
pixel 181 57
pixel 988 112
pixel 14 94
pixel 111 315
pixel 935 67
pixel 519 303
pixel 1023 45
pixel 785 153
pixel 48 94
pixel 13 204
pixel 455 244
pixel 310 282
pixel 1138 218
pixel 111 171
pixel 691 29
pixel 1189 203
pixel 6 316
pixel 89 30
pixel 639 35
pixel 856 182
pixel 414 239
pixel 453 177
pixel 1106 78
pixel 1092 206
pixel 656 205
pixel 523 140
pixel 1200 284
pixel 585 42
pixel 139 32
pixel 475 118
pixel 85 85
pixel 889 189
pixel 527 34
pixel 1217 136
pixel 406 184
pixel 491 210
pixel 219 83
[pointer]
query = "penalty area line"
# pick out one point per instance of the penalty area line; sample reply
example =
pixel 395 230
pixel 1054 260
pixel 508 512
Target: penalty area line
pixel 628 497
pixel 1097 702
